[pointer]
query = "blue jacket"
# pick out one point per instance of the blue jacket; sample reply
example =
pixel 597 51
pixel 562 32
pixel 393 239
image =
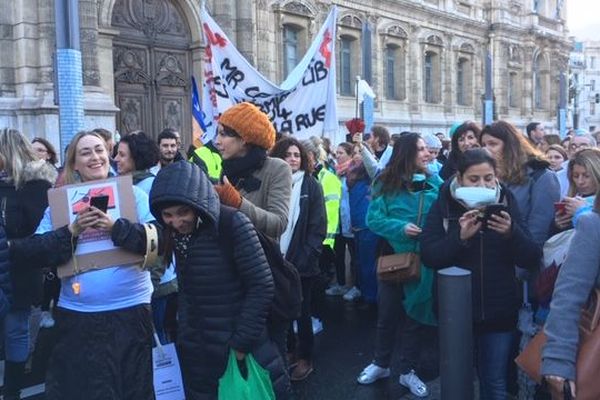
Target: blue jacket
pixel 5 285
pixel 360 197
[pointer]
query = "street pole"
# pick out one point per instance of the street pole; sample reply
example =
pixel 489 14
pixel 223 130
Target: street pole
pixel 562 106
pixel 456 334
pixel 68 71
pixel 488 101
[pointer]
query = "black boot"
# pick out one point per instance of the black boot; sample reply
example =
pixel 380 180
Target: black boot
pixel 14 375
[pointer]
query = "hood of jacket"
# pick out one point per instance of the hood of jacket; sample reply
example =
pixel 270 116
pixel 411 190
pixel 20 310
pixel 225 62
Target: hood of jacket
pixel 184 183
pixel 39 170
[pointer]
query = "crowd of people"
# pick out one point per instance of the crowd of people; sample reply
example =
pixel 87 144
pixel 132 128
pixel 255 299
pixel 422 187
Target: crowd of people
pixel 487 199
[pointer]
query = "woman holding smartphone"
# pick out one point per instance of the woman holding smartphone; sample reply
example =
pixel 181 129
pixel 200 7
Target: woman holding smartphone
pixel 489 244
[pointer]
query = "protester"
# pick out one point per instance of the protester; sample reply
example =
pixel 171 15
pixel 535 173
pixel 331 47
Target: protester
pixel 209 160
pixel 301 243
pixel 583 173
pixel 404 190
pixel 103 322
pixel 580 140
pixel 258 185
pixel 524 170
pixel 455 235
pixel 377 150
pixel 549 140
pixel 44 150
pixel 578 276
pixel 556 156
pixel 226 285
pixel 24 181
pixel 345 237
pixel 465 137
pixel 168 144
pixel 136 155
pixel 434 146
pixel 535 134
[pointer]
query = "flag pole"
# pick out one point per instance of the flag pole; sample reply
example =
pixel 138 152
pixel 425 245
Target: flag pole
pixel 356 86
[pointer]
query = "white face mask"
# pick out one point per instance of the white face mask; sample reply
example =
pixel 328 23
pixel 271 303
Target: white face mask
pixel 475 196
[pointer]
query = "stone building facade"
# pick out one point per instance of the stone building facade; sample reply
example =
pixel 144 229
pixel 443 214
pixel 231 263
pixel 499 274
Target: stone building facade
pixel 586 77
pixel 424 58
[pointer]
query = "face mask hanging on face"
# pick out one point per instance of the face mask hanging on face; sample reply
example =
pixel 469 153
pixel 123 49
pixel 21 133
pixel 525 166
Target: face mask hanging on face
pixel 475 197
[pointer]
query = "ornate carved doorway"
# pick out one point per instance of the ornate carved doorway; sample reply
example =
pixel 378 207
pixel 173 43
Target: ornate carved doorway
pixel 152 62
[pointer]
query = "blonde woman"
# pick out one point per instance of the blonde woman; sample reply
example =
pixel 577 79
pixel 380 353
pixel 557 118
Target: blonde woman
pixel 103 322
pixel 23 185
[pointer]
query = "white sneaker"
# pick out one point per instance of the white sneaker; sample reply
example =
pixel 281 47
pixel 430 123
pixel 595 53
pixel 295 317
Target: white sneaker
pixel 352 294
pixel 46 320
pixel 317 325
pixel 336 290
pixel 414 384
pixel 372 373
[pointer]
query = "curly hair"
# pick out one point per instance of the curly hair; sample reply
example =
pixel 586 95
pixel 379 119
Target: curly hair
pixel 144 151
pixel 398 174
pixel 281 147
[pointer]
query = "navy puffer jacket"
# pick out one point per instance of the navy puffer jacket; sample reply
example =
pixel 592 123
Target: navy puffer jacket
pixel 225 294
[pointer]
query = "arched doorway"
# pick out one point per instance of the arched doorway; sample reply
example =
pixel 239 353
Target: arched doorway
pixel 152 67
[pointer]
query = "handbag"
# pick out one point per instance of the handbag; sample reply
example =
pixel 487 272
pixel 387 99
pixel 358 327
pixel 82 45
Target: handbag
pixel 403 267
pixel 588 353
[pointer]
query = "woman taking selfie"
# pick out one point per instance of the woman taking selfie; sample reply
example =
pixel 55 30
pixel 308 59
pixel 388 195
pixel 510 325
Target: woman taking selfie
pixel 460 232
pixel 103 322
pixel 402 195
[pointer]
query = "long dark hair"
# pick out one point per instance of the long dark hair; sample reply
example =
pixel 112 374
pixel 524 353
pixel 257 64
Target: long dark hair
pixel 517 152
pixel 398 174
pixel 281 147
pixel 474 157
pixel 143 150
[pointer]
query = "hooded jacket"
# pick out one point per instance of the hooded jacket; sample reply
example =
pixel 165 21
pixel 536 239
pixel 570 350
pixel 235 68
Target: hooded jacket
pixel 22 210
pixel 5 287
pixel 224 294
pixel 490 257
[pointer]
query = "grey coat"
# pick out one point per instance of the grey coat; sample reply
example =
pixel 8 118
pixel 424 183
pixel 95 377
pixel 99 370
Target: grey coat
pixel 579 274
pixel 268 206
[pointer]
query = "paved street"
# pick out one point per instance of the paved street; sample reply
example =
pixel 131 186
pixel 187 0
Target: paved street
pixel 341 351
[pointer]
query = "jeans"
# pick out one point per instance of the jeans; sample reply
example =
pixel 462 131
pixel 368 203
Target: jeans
pixel 493 358
pixel 16 335
pixel 366 246
pixel 390 314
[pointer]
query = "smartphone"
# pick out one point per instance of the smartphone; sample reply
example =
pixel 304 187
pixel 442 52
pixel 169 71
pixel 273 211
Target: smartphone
pixel 560 207
pixel 493 209
pixel 100 202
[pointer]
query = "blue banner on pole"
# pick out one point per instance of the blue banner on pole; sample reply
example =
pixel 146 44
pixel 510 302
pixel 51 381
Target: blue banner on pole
pixel 368 113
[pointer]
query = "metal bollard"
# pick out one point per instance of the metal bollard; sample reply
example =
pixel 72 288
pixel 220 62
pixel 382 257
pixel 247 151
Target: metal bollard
pixel 456 334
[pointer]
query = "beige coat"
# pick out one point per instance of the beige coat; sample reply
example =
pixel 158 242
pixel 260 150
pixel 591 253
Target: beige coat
pixel 268 206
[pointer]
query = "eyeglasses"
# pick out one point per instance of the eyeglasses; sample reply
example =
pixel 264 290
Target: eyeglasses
pixel 575 146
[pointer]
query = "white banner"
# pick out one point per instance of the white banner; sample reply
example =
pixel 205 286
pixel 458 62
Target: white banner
pixel 303 105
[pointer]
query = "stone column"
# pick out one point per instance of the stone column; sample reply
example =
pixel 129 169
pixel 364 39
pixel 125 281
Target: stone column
pixel 246 33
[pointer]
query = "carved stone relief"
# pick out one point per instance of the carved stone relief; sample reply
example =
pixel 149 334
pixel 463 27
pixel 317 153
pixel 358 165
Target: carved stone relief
pixel 130 65
pixel 151 17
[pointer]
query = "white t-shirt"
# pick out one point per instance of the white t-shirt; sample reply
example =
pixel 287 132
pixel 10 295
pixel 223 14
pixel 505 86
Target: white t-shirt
pixel 110 288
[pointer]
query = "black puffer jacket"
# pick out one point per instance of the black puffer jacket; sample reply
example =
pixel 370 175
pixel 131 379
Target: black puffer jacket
pixel 310 230
pixel 490 257
pixel 23 209
pixel 224 294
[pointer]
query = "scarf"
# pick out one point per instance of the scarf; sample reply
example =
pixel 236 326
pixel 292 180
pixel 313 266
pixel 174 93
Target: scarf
pixel 239 170
pixel 138 176
pixel 356 172
pixel 294 213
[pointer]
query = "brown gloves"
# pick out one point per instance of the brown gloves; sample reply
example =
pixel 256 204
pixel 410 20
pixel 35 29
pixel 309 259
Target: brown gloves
pixel 228 194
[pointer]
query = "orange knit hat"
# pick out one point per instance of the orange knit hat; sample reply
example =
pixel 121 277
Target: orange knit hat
pixel 250 123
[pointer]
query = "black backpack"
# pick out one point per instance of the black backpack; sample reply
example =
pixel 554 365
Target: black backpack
pixel 287 302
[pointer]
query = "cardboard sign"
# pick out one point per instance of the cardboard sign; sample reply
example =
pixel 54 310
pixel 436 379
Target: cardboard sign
pixel 168 384
pixel 95 249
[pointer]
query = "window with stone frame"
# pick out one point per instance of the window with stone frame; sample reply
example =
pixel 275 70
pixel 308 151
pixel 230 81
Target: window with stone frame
pixel 464 81
pixel 540 82
pixel 394 67
pixel 432 82
pixel 349 60
pixel 513 89
pixel 291 53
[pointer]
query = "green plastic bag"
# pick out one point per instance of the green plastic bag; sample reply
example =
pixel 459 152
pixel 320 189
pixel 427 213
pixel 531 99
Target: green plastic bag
pixel 232 386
